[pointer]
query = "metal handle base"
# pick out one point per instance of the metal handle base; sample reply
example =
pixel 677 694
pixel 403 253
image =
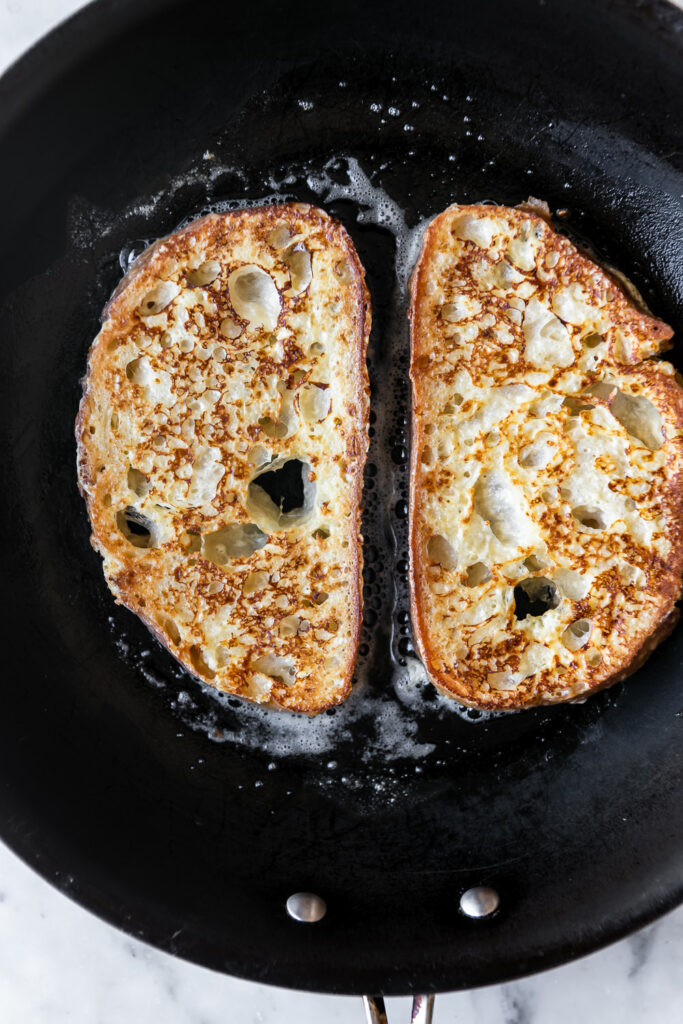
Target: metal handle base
pixel 375 1010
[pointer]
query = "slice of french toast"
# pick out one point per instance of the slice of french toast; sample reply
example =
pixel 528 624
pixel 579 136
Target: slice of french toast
pixel 221 439
pixel 545 511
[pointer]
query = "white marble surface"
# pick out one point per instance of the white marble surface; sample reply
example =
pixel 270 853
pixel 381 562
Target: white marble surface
pixel 58 963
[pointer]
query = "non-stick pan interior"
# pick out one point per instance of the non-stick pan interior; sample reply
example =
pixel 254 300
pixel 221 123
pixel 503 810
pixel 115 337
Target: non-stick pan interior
pixel 187 817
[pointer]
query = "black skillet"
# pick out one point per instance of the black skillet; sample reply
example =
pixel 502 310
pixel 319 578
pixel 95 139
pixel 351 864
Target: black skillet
pixel 113 782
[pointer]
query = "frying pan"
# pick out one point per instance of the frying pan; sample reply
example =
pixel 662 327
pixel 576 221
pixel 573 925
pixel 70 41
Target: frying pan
pixel 186 819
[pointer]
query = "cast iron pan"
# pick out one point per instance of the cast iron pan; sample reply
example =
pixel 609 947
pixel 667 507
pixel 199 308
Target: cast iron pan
pixel 187 820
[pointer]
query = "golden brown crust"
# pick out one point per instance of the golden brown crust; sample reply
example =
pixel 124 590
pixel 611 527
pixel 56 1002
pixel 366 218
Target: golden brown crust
pixel 503 312
pixel 191 408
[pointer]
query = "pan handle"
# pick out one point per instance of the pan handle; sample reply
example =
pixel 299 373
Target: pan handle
pixel 375 1011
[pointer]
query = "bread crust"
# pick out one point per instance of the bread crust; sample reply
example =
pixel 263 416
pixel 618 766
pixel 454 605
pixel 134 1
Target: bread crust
pixel 147 374
pixel 629 601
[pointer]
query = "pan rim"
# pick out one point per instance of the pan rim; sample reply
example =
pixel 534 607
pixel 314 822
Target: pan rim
pixel 102 904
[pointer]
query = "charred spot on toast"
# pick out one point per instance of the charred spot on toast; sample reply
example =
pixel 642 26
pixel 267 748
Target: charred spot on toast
pixel 138 529
pixel 535 596
pixel 282 495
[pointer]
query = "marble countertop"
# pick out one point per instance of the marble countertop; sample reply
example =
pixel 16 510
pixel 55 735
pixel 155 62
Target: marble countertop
pixel 58 963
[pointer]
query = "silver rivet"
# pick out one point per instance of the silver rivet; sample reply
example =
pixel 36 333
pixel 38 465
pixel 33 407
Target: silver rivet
pixel 306 906
pixel 480 901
